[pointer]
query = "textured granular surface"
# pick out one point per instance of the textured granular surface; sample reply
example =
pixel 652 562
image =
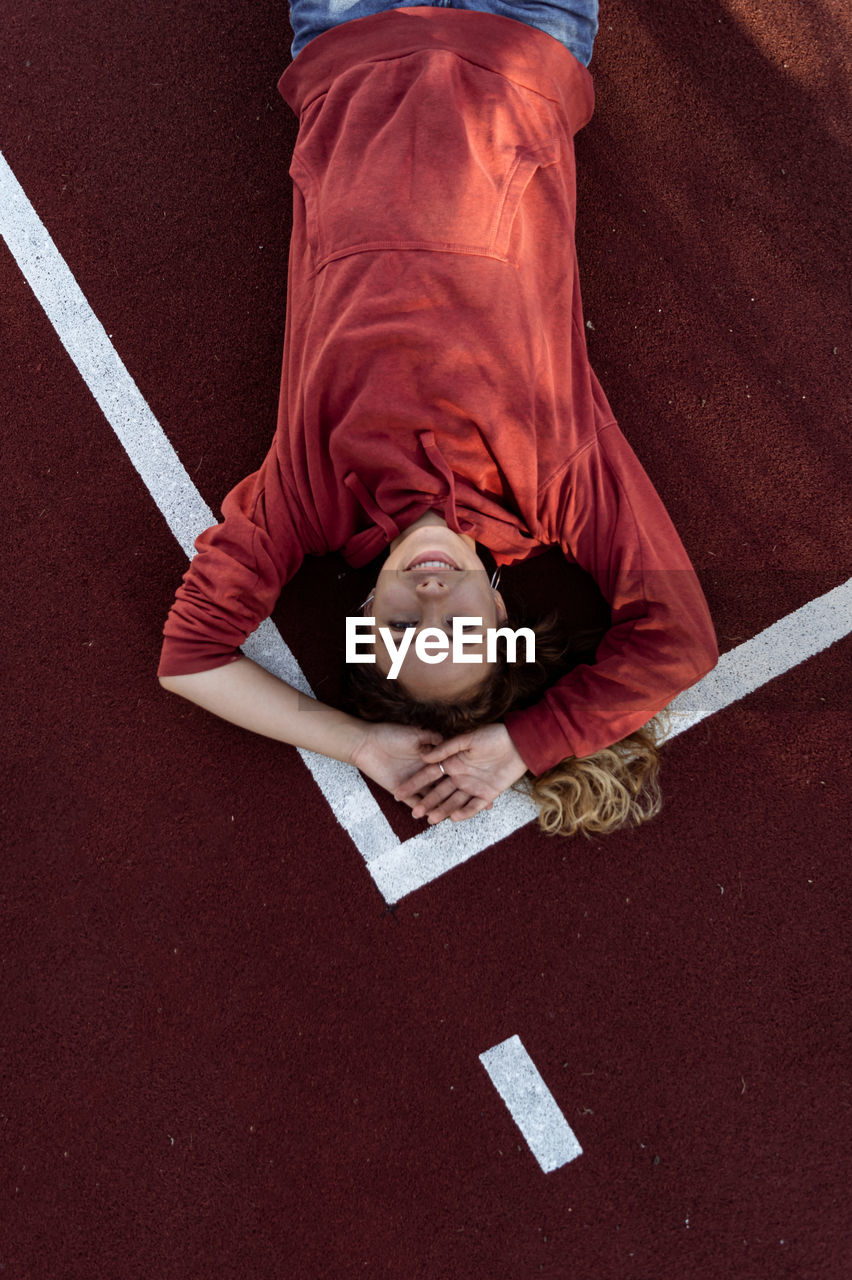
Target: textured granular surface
pixel 222 1056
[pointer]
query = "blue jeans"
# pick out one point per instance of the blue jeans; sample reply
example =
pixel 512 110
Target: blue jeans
pixel 573 23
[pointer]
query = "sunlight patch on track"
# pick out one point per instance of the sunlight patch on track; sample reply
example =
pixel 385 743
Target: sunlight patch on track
pixel 397 867
pixel 531 1104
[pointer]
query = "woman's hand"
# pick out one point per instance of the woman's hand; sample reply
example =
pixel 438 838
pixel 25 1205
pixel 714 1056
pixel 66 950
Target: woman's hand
pixel 391 753
pixel 478 766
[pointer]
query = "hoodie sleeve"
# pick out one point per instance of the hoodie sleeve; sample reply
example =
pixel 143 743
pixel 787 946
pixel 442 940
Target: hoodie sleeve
pixel 233 582
pixel 610 519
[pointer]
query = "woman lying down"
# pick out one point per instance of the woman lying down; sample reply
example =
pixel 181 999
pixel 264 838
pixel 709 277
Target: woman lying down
pixel 438 420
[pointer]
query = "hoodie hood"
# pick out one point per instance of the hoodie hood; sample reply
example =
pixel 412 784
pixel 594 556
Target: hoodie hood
pixel 504 537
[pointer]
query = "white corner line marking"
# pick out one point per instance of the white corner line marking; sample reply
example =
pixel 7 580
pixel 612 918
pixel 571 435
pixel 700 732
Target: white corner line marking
pixel 397 867
pixel 793 639
pixel 531 1104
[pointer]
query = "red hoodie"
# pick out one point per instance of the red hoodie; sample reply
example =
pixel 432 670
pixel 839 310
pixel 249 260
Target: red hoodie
pixel 435 357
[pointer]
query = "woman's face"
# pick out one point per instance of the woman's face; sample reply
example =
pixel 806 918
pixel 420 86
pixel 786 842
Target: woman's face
pixel 431 576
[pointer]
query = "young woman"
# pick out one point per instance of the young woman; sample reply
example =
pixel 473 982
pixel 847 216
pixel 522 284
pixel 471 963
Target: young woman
pixel 438 414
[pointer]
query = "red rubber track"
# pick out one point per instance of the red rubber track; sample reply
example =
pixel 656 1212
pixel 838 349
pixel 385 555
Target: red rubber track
pixel 221 1055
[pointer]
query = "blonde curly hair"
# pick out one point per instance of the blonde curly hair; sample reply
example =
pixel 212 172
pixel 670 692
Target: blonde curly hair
pixel 595 795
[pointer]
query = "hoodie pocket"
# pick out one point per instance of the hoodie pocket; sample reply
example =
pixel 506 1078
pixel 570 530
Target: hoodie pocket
pixel 436 155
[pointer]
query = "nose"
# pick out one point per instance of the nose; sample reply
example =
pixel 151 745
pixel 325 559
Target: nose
pixel 433 585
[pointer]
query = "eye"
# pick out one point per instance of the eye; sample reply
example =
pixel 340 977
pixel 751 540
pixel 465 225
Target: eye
pixel 404 626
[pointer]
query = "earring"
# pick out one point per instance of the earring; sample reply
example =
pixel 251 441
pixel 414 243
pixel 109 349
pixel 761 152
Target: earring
pixel 495 579
pixel 363 606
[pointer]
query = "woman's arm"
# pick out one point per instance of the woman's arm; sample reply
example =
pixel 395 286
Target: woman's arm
pixel 246 695
pixel 610 520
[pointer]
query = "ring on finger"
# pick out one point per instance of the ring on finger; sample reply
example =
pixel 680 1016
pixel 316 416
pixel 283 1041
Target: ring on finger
pixel 441 767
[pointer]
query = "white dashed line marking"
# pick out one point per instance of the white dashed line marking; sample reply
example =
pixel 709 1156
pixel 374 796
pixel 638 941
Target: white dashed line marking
pixel 531 1104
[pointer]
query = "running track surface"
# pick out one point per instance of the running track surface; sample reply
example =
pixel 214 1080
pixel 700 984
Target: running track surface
pixel 223 1055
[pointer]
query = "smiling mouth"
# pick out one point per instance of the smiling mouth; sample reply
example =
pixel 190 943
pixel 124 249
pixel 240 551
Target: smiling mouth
pixel 432 561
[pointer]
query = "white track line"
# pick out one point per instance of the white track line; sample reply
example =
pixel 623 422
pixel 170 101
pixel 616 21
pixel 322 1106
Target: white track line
pixel 792 639
pixel 163 473
pixel 531 1104
pixel 397 867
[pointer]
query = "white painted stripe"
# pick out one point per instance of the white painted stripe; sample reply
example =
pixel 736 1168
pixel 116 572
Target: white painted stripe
pixel 84 338
pixel 398 868
pixel 531 1104
pixel 164 475
pixel 792 639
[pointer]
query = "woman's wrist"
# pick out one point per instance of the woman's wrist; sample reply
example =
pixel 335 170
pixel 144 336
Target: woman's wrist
pixel 357 735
